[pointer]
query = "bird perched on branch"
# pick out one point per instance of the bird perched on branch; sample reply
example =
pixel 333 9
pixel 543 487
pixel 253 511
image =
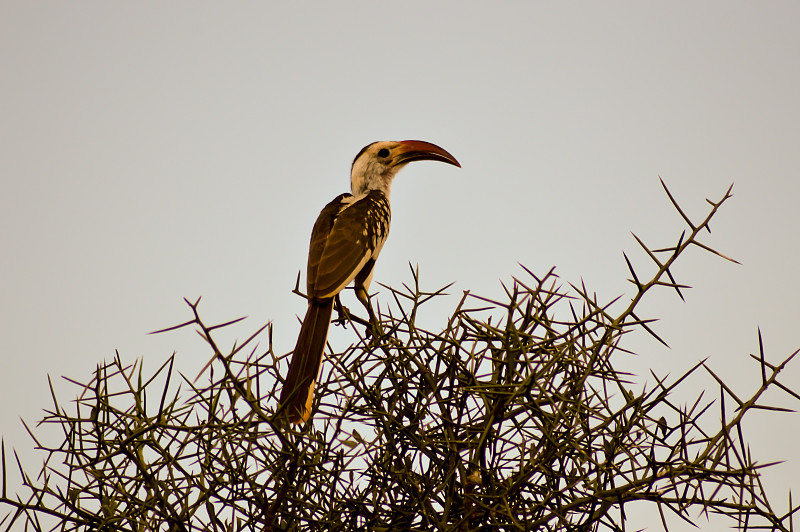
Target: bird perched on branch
pixel 345 242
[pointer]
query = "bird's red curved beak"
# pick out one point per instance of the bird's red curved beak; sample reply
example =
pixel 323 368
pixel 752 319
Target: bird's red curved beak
pixel 419 150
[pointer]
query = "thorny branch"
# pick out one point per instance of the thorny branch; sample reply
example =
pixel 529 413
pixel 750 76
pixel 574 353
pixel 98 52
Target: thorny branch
pixel 511 417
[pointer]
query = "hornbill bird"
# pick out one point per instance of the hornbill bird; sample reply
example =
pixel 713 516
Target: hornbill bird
pixel 345 242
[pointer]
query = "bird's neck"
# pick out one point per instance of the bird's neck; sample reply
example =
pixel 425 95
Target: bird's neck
pixel 362 184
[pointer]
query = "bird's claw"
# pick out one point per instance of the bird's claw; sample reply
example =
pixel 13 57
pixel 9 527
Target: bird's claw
pixel 342 313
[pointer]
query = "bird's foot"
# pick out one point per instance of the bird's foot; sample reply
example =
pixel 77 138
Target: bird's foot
pixel 343 315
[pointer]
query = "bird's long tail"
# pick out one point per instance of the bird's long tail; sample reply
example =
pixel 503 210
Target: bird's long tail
pixel 298 389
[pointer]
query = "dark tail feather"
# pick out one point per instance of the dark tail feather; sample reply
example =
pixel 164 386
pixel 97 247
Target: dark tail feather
pixel 298 389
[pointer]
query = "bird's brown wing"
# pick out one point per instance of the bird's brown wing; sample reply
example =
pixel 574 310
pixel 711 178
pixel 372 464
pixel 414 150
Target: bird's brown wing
pixel 344 239
pixel 319 237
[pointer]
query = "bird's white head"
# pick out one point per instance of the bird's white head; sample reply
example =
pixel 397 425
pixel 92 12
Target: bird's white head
pixel 376 164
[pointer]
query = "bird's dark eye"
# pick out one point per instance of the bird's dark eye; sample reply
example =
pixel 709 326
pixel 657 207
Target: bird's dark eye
pixel 383 152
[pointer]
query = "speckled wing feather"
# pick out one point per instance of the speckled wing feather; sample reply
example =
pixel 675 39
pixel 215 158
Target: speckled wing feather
pixel 319 237
pixel 343 242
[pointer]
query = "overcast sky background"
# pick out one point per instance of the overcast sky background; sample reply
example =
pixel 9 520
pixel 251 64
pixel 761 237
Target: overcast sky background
pixel 152 151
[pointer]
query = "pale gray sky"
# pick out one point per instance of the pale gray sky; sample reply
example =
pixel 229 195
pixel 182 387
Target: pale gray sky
pixel 153 151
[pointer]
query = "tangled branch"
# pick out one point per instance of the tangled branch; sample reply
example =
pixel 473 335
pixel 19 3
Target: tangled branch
pixel 511 417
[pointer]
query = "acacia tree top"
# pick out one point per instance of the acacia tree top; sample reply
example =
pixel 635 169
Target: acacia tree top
pixel 511 417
